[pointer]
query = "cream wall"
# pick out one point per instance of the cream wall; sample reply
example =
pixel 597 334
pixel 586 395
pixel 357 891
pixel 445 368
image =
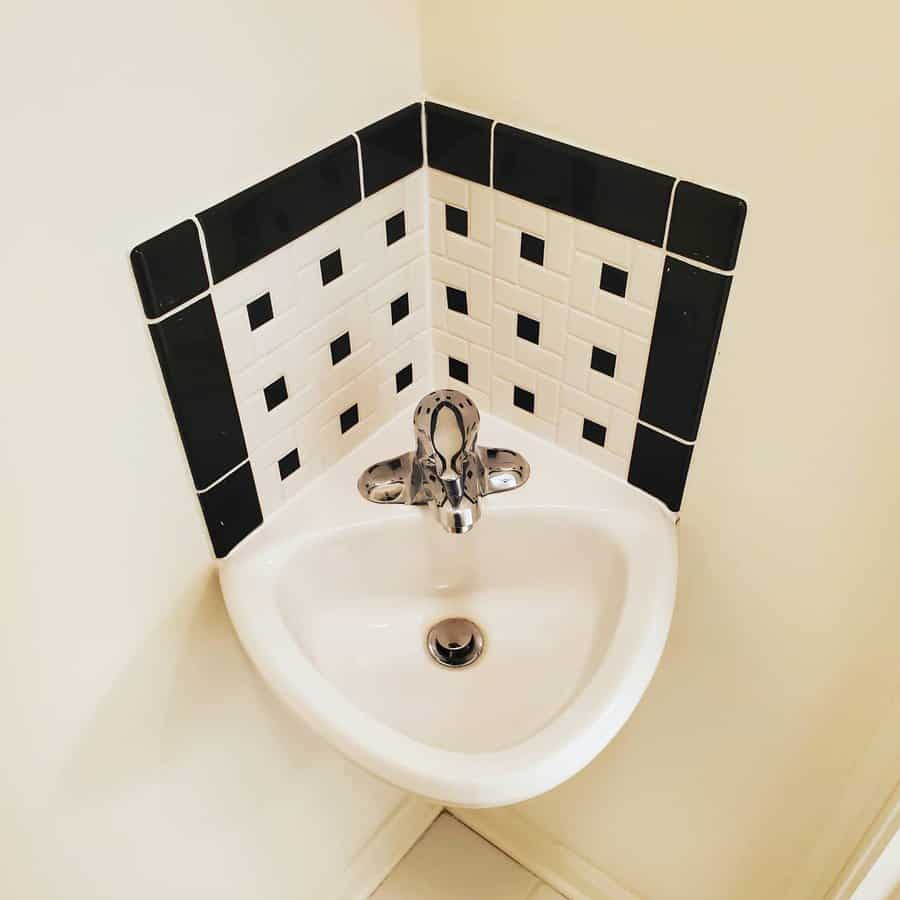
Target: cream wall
pixel 140 756
pixel 743 773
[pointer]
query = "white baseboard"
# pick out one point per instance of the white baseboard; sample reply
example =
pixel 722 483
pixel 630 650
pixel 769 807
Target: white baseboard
pixel 558 866
pixel 390 843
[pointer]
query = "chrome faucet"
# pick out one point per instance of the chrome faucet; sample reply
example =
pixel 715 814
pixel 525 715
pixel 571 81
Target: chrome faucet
pixel 446 470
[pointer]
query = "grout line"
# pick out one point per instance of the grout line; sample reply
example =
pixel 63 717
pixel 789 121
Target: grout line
pixel 667 434
pixel 700 265
pixel 221 478
pixel 359 165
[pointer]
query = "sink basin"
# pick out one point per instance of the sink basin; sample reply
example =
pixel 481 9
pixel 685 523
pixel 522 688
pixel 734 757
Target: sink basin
pixel 571 580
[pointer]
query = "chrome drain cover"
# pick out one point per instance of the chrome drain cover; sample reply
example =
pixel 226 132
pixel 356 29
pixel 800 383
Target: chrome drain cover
pixel 455 642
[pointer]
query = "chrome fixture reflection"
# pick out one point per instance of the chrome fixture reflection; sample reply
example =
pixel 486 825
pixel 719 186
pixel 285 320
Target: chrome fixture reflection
pixel 446 470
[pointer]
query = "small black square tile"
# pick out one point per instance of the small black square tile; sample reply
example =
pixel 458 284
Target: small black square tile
pixel 259 311
pixel 192 359
pixel 231 509
pixel 458 370
pixel 403 379
pixel 276 393
pixel 523 399
pixel 528 329
pixel 399 309
pixel 169 269
pixel 340 348
pixel 603 361
pixel 532 248
pixel 349 418
pixel 331 267
pixel 395 228
pixel 391 148
pixel 683 347
pixel 458 142
pixel 659 465
pixel 270 214
pixel 613 279
pixel 706 225
pixel 289 463
pixel 456 220
pixel 594 432
pixel 457 301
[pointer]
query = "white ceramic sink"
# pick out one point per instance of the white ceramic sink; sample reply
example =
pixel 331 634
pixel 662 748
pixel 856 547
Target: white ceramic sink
pixel 571 579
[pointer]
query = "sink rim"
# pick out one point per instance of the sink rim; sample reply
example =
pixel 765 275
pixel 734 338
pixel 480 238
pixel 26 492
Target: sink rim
pixel 568 742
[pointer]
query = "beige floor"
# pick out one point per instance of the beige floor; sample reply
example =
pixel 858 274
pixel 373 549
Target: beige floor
pixel 451 861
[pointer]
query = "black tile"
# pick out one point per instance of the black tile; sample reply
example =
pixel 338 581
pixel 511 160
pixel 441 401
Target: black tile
pixel 289 463
pixel 659 466
pixel 603 361
pixel 532 248
pixel 340 348
pixel 456 220
pixel 331 267
pixel 193 365
pixel 457 301
pixel 262 218
pixel 528 329
pixel 683 347
pixel 349 418
pixel 395 228
pixel 523 399
pixel 276 393
pixel 403 379
pixel 169 269
pixel 231 509
pixel 706 225
pixel 458 369
pixel 613 280
pixel 594 432
pixel 259 311
pixel 594 188
pixel 391 148
pixel 399 309
pixel 458 142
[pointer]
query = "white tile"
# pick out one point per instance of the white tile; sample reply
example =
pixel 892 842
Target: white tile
pixel 644 276
pixel 544 892
pixel 436 230
pixel 506 253
pixel 631 363
pixel 469 252
pixel 450 862
pixel 536 357
pixel 553 326
pixel 560 242
pixel 581 403
pixel 518 299
pixel 481 213
pixel 384 259
pixel 479 296
pixel 451 345
pixel 414 200
pixel 480 368
pixel 515 372
pixel 502 404
pixel 577 362
pixel 523 216
pixel 546 398
pixel 613 391
pixel 447 188
pixel 585 281
pixel 504 330
pixel 620 433
pixel 595 331
pixel 568 436
pixel 607 245
pixel 542 280
pixel 620 312
pixel 448 272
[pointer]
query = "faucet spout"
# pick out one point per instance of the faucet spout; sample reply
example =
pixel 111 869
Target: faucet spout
pixel 446 471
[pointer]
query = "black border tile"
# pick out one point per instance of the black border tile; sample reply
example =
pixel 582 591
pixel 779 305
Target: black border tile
pixel 683 347
pixel 169 269
pixel 231 510
pixel 706 225
pixel 628 199
pixel 192 359
pixel 659 466
pixel 266 216
pixel 391 148
pixel 458 142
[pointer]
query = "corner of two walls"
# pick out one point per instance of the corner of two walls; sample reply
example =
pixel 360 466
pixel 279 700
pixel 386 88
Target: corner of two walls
pixel 294 318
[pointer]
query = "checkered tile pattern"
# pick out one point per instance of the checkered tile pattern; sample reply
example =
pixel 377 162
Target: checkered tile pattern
pixel 295 344
pixel 563 294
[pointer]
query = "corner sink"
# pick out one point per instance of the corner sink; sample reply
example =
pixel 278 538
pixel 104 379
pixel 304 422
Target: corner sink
pixel 570 579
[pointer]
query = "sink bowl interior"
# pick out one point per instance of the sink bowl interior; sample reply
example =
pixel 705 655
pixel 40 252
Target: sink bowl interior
pixel 359 602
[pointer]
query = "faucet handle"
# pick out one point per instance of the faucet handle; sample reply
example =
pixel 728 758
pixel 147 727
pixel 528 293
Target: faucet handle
pixel 446 425
pixel 504 470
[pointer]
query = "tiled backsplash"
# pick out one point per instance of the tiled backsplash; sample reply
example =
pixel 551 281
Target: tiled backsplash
pixel 295 317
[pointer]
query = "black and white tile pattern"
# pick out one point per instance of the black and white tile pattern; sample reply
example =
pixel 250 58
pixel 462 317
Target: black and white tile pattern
pixel 576 295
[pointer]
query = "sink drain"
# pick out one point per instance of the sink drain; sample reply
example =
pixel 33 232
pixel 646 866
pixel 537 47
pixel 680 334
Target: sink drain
pixel 455 642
